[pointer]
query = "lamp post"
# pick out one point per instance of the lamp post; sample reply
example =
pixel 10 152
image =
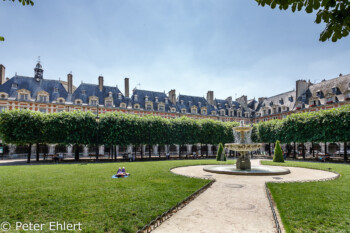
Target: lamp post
pixel 98 127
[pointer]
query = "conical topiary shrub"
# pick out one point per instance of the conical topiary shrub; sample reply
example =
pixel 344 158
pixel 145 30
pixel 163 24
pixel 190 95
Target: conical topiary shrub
pixel 278 154
pixel 220 156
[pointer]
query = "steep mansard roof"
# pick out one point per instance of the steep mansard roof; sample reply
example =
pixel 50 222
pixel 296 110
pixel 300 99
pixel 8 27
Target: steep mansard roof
pixel 186 101
pixel 139 97
pixel 34 87
pixel 286 99
pixel 341 82
pixel 84 91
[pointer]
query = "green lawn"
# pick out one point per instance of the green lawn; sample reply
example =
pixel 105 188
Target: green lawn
pixel 87 194
pixel 315 206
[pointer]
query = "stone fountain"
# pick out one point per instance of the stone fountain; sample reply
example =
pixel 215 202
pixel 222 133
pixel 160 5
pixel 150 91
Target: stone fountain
pixel 243 145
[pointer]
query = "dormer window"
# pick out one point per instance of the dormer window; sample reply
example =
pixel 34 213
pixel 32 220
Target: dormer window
pixel 172 109
pixel 290 98
pixel 199 104
pixel 93 102
pixel 110 94
pixel 149 107
pixel 166 100
pixel 189 103
pixel 3 96
pixel 281 101
pixel 246 114
pixel 319 94
pixel 161 107
pixel 146 98
pixel 43 98
pixel 14 85
pixel 194 110
pixel 137 106
pixel 204 112
pixel 213 113
pixel 135 97
pixel 119 96
pixel 55 90
pixel 222 112
pixel 271 103
pixel 78 102
pixel 335 90
pixel 83 92
pixel 123 105
pixel 183 110
pixel 156 99
pixel 23 97
pixel 181 101
pixel 109 103
pixel 303 96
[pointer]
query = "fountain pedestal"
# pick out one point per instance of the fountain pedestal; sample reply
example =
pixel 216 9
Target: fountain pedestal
pixel 243 163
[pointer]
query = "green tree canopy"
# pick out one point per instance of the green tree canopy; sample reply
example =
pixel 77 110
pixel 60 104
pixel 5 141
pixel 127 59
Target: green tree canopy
pixel 335 13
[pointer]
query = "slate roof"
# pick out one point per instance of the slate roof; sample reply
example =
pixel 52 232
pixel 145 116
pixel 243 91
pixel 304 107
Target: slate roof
pixel 152 95
pixel 286 99
pixel 29 83
pixel 341 82
pixel 189 101
pixel 93 90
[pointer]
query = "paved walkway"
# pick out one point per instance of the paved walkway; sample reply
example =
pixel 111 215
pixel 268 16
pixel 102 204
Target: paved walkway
pixel 232 203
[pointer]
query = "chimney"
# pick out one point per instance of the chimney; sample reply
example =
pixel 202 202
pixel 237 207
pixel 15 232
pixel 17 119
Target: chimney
pixel 301 87
pixel 229 100
pixel 261 100
pixel 2 74
pixel 172 96
pixel 126 85
pixel 100 83
pixel 70 83
pixel 243 99
pixel 210 97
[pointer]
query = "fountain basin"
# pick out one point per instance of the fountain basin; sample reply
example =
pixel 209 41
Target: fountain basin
pixel 243 147
pixel 254 171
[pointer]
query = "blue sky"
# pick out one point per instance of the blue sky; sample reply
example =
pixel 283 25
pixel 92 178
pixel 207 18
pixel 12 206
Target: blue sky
pixel 231 47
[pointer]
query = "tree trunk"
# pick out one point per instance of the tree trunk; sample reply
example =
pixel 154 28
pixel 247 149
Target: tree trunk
pixel 29 152
pixel 37 152
pixel 180 151
pixel 141 151
pixel 135 152
pixel 303 151
pixel 295 151
pixel 207 152
pixel 345 152
pixel 313 149
pixel 269 149
pixel 325 148
pixel 76 152
pixel 149 152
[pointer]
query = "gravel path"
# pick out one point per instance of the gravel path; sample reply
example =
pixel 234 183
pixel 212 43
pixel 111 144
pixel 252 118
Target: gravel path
pixel 232 203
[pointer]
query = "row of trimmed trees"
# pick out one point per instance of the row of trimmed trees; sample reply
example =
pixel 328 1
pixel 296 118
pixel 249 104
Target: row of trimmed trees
pixel 24 127
pixel 324 126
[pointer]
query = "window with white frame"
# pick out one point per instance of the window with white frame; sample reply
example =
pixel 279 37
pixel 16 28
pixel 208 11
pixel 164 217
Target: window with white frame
pixel 137 106
pixel 43 98
pixel 3 96
pixel 109 103
pixel 123 105
pixel 183 110
pixel 222 112
pixel 172 109
pixel 23 96
pixel 204 112
pixel 14 85
pixel 194 110
pixel 213 113
pixel 93 102
pixel 149 107
pixel 119 95
pixel 43 110
pixel 161 107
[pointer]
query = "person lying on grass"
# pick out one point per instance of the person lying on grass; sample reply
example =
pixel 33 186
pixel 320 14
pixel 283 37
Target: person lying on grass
pixel 122 172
